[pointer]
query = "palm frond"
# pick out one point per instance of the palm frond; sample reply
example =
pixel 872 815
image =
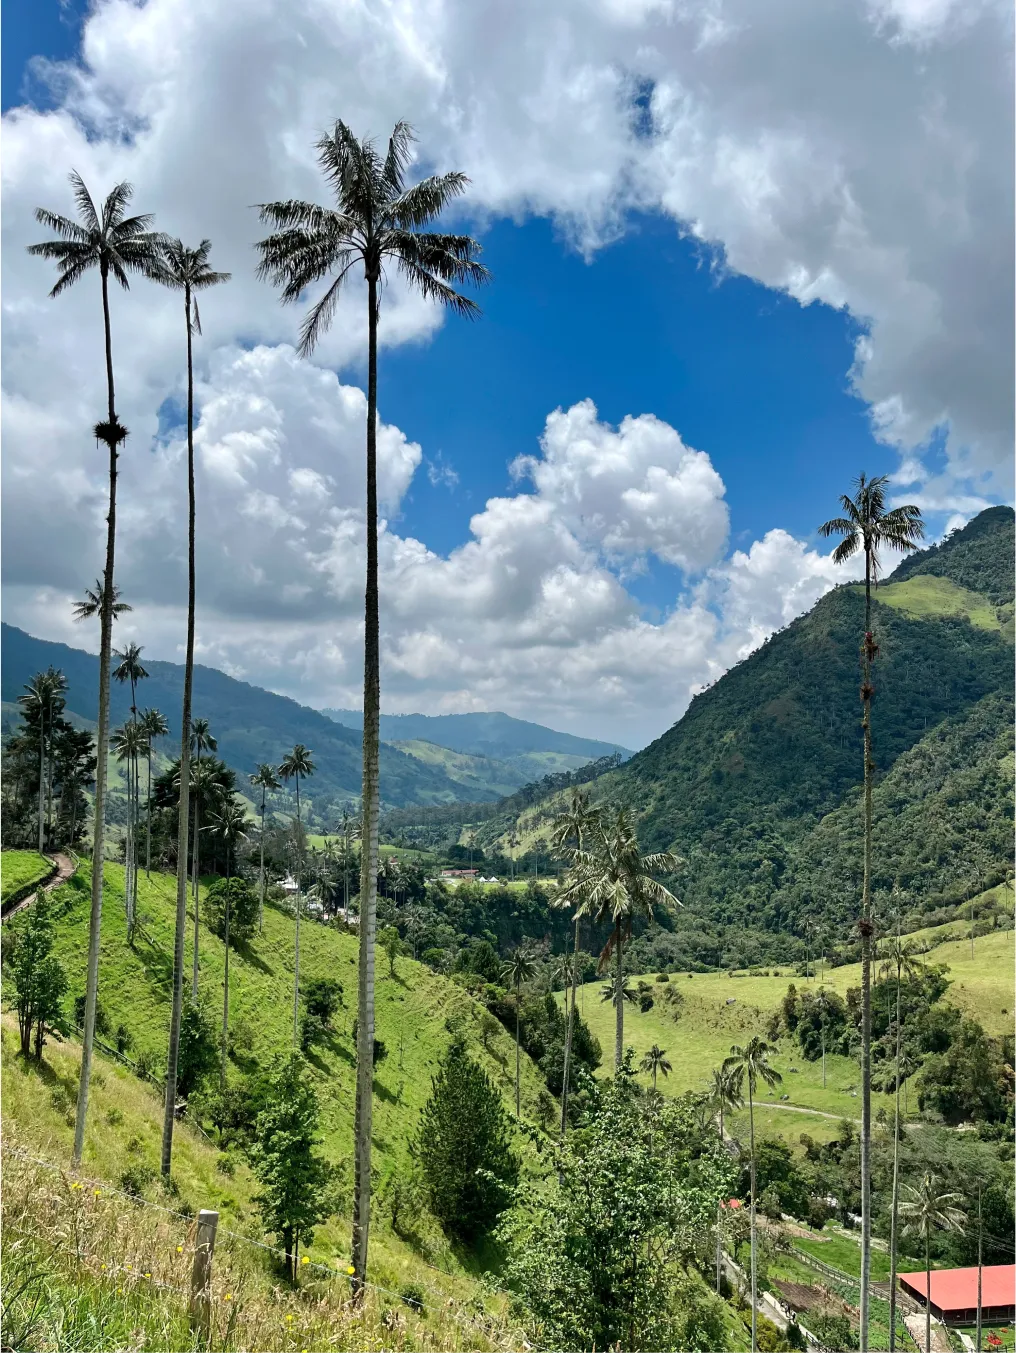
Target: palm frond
pixel 113 207
pixel 85 205
pixel 838 526
pixel 846 549
pixel 132 228
pixel 435 290
pixel 72 272
pixel 399 157
pixel 62 226
pixel 320 315
pixel 294 214
pixel 427 199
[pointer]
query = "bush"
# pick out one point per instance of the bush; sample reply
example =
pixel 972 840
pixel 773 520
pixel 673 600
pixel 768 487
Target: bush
pixel 199 1049
pixel 243 909
pixel 834 1331
pixel 322 996
pixel 123 1039
pixel 145 1065
pixel 402 1194
pixel 135 1179
pixel 413 1296
pixel 662 977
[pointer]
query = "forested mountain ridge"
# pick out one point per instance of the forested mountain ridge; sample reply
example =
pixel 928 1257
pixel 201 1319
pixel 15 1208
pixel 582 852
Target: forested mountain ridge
pixel 498 736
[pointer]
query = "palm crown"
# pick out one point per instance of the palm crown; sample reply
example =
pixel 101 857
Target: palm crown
pixel 91 604
pixel 297 764
pixel 518 969
pixel 153 722
pixel 376 219
pixel 129 667
pixel 753 1062
pixel 202 739
pixel 187 270
pixel 115 243
pixel 614 879
pixel 265 778
pixel 867 525
pixel 655 1060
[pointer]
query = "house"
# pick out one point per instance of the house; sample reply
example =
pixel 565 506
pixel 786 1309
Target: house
pixel 459 873
pixel 954 1293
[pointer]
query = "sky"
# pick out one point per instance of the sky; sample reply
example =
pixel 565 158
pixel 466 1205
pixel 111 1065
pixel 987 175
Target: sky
pixel 739 254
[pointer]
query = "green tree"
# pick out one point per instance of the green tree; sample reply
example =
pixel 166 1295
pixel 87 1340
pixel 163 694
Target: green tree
pixel 392 946
pixel 464 1149
pixel 265 779
pixel 614 880
pixel 197 1055
pixel 230 821
pixel 569 830
pixel 119 245
pixel 127 744
pixel 376 219
pixel 518 969
pixel 654 1061
pixel 751 1063
pixel 129 668
pixel 925 1209
pixel 243 908
pixel 38 981
pixel 294 1179
pixel 297 765
pixel 201 740
pixel 153 726
pixel 43 703
pixel 868 526
pixel 722 1097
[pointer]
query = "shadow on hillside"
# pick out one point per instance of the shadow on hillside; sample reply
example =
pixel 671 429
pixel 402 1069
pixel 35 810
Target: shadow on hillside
pixel 244 950
pixel 383 1093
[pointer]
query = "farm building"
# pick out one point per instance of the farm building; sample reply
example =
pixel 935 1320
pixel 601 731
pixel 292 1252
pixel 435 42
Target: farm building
pixel 954 1293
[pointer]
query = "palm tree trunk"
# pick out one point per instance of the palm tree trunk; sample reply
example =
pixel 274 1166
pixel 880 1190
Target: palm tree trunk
pixel 754 1266
pixel 101 750
pixel 225 988
pixel 261 875
pixel 568 1033
pixel 618 1001
pixel 866 932
pixel 368 847
pixel 296 960
pixel 195 881
pixel 42 772
pixel 927 1287
pixel 980 1268
pixel 148 832
pixel 518 1036
pixel 183 816
pixel 719 1217
pixel 896 1182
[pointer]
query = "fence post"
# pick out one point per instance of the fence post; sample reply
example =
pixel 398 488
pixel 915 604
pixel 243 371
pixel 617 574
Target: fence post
pixel 199 1308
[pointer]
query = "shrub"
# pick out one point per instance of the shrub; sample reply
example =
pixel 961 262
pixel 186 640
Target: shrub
pixel 322 996
pixel 145 1064
pixel 135 1179
pixel 662 977
pixel 413 1296
pixel 199 1049
pixel 123 1039
pixel 834 1331
pixel 243 909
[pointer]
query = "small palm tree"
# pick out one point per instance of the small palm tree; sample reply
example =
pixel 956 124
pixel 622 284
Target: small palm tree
pixel 377 220
pixel 154 726
pixel 296 766
pixel 129 668
pixel 869 526
pixel 231 823
pixel 569 830
pixel 119 245
pixel 613 879
pixel 925 1209
pixel 91 605
pixel 723 1096
pixel 265 779
pixel 44 697
pixel 201 740
pixel 517 970
pixel 655 1060
pixel 185 270
pixel 751 1063
pixel 610 993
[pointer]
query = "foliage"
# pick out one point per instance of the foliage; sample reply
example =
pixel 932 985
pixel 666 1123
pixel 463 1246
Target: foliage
pixel 777 1171
pixel 833 1331
pixel 463 1147
pixel 198 1055
pixel 20 868
pixel 37 977
pixel 243 909
pixel 971 1080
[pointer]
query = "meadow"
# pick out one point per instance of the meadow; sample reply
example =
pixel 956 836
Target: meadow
pixel 19 868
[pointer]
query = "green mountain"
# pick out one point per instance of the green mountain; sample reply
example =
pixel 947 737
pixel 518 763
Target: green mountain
pixel 496 736
pixel 251 724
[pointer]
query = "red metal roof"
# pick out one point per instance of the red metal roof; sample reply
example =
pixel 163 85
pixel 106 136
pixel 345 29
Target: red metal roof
pixel 955 1289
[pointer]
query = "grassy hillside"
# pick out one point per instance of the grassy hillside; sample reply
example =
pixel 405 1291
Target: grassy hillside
pixel 473 773
pixel 979 557
pixel 18 868
pixel 925 595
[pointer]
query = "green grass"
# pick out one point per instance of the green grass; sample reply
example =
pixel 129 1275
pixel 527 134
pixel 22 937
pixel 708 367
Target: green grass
pixel 473 772
pixel 415 1013
pixel 19 868
pixel 925 596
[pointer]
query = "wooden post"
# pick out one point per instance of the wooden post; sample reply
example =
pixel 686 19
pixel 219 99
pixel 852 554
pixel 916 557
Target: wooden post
pixel 199 1308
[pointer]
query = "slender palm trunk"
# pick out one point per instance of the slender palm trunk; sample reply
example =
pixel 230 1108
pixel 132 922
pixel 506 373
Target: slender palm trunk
pixel 101 749
pixel 927 1288
pixel 980 1268
pixel 148 831
pixel 261 873
pixel 896 1182
pixel 42 772
pixel 183 817
pixel 368 846
pixel 754 1263
pixel 296 959
pixel 518 1037
pixel 866 933
pixel 49 786
pixel 568 1034
pixel 719 1218
pixel 225 988
pixel 618 1001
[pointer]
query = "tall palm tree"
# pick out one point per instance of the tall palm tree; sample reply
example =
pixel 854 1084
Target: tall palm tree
pixel 127 744
pixel 377 220
pixel 925 1209
pixel 297 765
pixel 44 696
pixel 655 1060
pixel 265 779
pixel 91 604
pixel 751 1063
pixel 154 726
pixel 119 245
pixel 231 822
pixel 869 526
pixel 201 740
pixel 129 668
pixel 185 270
pixel 900 960
pixel 568 831
pixel 614 879
pixel 517 970
pixel 724 1095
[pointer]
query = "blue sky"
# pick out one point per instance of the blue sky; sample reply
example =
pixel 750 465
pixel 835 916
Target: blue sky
pixel 847 269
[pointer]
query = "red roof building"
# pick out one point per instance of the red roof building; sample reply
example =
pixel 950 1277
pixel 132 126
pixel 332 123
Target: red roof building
pixel 954 1293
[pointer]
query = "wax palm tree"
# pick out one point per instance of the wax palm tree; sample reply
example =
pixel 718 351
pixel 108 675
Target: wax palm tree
pixel 127 745
pixel 91 604
pixel 723 1096
pixel 117 245
pixel 201 740
pixel 44 697
pixel 869 526
pixel 610 993
pixel 265 779
pixel 925 1209
pixel 569 830
pixel 513 845
pixel 751 1063
pixel 185 270
pixel 613 879
pixel 231 824
pixel 129 668
pixel 517 970
pixel 154 726
pixel 655 1060
pixel 296 766
pixel 900 960
pixel 376 221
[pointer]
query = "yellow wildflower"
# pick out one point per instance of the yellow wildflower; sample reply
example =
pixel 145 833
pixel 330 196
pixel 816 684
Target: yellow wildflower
pixel 304 1260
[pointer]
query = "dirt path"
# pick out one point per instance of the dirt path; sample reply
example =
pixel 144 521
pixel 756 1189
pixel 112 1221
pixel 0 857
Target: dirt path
pixel 65 867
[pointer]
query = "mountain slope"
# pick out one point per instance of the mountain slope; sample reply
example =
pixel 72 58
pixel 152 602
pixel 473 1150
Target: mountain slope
pixel 251 724
pixel 495 735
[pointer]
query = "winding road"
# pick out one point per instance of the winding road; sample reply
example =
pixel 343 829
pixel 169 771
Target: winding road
pixel 65 867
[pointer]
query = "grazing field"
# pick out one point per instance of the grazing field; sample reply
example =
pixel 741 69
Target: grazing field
pixel 926 596
pixel 18 868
